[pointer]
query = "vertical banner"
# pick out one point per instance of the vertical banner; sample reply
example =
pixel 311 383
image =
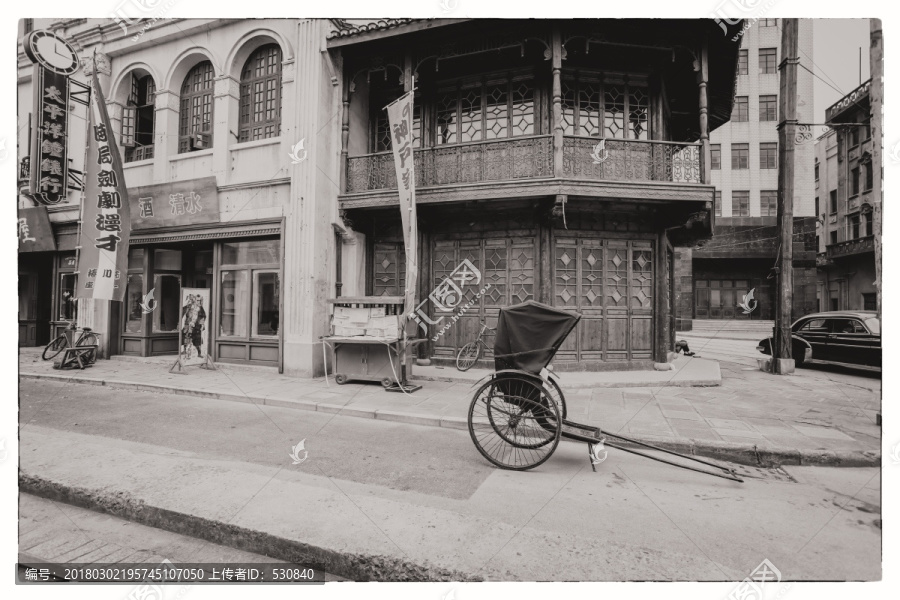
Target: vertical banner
pixel 105 213
pixel 400 118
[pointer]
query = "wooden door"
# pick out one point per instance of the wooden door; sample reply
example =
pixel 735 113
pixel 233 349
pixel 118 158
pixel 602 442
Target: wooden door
pixel 610 282
pixel 389 269
pixel 506 263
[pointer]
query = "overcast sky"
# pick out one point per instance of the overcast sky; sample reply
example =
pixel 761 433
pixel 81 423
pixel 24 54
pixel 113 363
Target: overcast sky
pixel 835 59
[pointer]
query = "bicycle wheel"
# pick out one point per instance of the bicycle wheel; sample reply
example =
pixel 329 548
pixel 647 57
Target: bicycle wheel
pixel 54 348
pixel 467 356
pixel 513 424
pixel 89 339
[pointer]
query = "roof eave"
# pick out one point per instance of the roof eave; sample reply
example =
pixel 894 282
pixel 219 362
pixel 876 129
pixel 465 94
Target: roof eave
pixel 406 28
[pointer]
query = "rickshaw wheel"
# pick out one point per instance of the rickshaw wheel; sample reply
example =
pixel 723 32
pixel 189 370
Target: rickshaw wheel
pixel 556 394
pixel 513 424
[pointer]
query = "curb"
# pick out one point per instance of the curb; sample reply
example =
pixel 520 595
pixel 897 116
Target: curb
pixel 355 567
pixel 744 454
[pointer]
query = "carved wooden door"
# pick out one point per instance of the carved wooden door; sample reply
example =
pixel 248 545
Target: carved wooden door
pixel 389 269
pixel 506 263
pixel 610 282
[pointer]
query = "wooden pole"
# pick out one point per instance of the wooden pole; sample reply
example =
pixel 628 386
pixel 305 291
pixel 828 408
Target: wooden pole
pixel 782 360
pixel 876 100
pixel 702 83
pixel 556 126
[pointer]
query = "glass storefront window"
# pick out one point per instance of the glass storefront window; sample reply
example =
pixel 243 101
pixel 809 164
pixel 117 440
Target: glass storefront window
pixel 68 305
pixel 167 260
pixel 134 296
pixel 255 252
pixel 266 314
pixel 233 306
pixel 136 258
pixel 167 293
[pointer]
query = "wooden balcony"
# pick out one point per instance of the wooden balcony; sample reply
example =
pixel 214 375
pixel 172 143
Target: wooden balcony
pixel 525 166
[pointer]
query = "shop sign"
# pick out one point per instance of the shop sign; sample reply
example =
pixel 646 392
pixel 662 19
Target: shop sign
pixel 177 203
pixel 35 232
pixel 54 61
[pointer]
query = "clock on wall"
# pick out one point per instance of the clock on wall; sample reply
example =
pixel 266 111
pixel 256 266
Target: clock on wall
pixel 52 52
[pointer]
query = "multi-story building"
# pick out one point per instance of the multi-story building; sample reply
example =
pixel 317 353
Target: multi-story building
pixel 563 159
pixel 230 153
pixel 843 180
pixel 713 279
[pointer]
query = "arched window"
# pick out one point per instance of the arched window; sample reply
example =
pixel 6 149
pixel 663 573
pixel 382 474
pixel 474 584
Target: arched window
pixel 195 124
pixel 261 94
pixel 138 118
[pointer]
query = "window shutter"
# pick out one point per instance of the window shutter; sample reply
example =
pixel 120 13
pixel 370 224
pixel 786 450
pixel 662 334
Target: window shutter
pixel 128 118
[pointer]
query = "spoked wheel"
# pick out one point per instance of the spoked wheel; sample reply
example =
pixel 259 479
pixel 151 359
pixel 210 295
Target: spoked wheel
pixel 89 339
pixel 467 356
pixel 513 423
pixel 54 348
pixel 557 396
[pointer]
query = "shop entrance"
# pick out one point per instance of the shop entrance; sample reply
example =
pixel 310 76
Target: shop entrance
pixel 35 291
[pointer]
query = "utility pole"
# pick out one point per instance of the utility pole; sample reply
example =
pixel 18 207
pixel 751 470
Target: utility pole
pixel 876 101
pixel 782 360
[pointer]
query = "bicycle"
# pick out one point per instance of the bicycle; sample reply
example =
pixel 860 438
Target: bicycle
pixel 470 353
pixel 61 343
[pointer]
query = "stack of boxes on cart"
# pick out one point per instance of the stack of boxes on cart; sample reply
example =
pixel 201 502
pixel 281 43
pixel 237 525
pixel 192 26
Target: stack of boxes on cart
pixel 367 322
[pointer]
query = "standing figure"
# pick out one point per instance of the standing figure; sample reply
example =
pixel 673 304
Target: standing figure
pixel 198 326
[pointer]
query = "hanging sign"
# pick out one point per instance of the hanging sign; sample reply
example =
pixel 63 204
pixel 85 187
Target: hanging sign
pixel 54 61
pixel 35 232
pixel 105 217
pixel 400 117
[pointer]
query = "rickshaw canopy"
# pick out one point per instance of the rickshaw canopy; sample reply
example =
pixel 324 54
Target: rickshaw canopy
pixel 529 335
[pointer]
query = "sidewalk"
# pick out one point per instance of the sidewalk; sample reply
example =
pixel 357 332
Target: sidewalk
pixel 752 418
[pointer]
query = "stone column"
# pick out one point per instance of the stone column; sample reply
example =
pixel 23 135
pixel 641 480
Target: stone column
pixel 556 126
pixel 165 133
pixel 226 96
pixel 309 237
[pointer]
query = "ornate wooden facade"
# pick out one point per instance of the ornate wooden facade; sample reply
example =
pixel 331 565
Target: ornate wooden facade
pixel 562 159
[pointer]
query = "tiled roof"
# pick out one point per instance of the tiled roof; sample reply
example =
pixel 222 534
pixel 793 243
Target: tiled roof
pixel 349 27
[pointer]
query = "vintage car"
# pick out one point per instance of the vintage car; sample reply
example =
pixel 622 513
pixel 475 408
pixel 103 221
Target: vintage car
pixel 838 336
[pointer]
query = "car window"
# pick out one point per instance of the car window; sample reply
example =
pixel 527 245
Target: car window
pixel 873 325
pixel 845 326
pixel 814 326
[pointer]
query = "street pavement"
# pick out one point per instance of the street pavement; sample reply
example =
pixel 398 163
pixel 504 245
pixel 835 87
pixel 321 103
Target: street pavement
pixel 815 411
pixel 371 488
pixel 57 533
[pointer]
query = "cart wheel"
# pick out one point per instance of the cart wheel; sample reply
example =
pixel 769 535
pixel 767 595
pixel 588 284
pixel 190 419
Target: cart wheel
pixel 513 423
pixel 340 378
pixel 556 394
pixel 387 382
pixel 467 356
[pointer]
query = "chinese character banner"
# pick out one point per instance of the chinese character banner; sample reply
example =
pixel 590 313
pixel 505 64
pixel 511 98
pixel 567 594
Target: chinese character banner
pixel 400 117
pixel 105 215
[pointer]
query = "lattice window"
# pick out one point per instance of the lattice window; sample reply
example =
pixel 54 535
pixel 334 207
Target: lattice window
pixel 260 113
pixel 499 108
pixel 592 274
pixel 638 113
pixel 382 129
pixel 617 276
pixel 641 279
pixel 496 273
pixel 138 119
pixel 566 275
pixel 196 113
pixel 614 111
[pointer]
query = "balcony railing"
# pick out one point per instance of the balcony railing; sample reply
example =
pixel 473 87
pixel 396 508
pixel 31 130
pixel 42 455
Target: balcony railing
pixel 631 160
pixel 496 160
pixel 851 246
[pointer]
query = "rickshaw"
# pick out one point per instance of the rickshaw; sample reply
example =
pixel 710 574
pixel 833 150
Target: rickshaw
pixel 518 416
